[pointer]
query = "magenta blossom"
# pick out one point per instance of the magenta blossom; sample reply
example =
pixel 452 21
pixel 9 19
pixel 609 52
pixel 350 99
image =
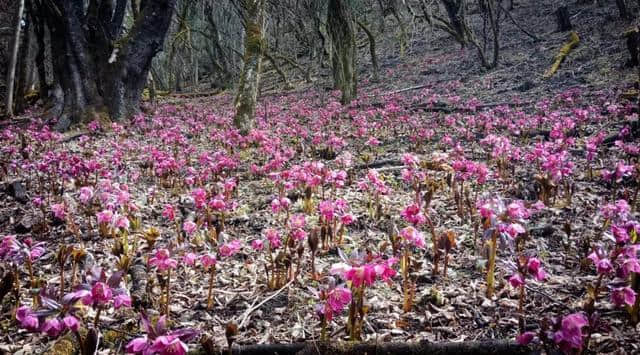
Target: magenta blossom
pixel 189 227
pixel 623 296
pixel 208 260
pixel 230 248
pixel 169 212
pixel 413 236
pixel 162 261
pixel 257 245
pixel 570 334
pixel 59 210
pixel 27 318
pixel 189 259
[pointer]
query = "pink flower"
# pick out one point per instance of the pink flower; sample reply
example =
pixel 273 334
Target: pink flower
pixel 105 217
pixel 53 327
pixel 168 345
pixel 570 335
pixel 630 265
pixel 525 338
pixel 189 259
pixel 620 234
pixel 230 248
pixel 327 210
pixel 514 229
pixel 409 159
pixel 162 261
pixel 101 293
pixel 169 212
pixel 413 236
pixel 189 227
pixel 217 203
pixel 347 219
pixel 623 295
pixel 71 323
pixel 121 222
pixel 298 234
pixel 137 345
pixel 257 244
pixel 516 280
pixel 385 269
pixel 86 194
pixel 413 214
pixel 280 204
pixel 361 275
pixel 273 237
pixel 27 318
pixel 121 300
pixel 208 260
pixel 59 210
pixel 535 268
pixel 338 298
pixel 603 265
pixel 297 221
pixel 199 197
pixel 516 210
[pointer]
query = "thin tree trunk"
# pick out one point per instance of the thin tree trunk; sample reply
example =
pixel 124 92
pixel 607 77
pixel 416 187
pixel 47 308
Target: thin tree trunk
pixel 247 96
pixel 11 75
pixel 372 50
pixel 25 69
pixel 341 29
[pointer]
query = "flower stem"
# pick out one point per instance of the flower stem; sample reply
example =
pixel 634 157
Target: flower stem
pixel 166 305
pixel 210 296
pixel 492 265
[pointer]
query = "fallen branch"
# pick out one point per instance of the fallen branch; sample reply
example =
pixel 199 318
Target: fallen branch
pixel 405 89
pixel 379 163
pixel 253 308
pixel 495 347
pixel 444 107
pixel 138 291
pixel 564 51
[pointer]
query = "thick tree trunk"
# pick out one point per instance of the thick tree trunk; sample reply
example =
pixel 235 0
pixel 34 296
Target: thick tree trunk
pixel 11 73
pixel 40 31
pixel 247 96
pixel 96 69
pixel 341 25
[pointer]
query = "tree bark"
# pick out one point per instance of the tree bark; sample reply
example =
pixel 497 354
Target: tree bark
pixel 25 69
pixel 372 50
pixel 563 19
pixel 97 69
pixel 247 95
pixel 341 25
pixel 11 73
pixel 622 8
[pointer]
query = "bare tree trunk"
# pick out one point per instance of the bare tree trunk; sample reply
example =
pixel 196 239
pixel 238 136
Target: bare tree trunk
pixel 98 70
pixel 25 69
pixel 340 21
pixel 372 50
pixel 11 75
pixel 622 8
pixel 247 96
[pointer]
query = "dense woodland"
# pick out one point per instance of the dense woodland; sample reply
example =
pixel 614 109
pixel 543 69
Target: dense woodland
pixel 311 177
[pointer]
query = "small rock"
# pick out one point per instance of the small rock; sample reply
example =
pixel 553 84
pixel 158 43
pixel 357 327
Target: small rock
pixel 17 191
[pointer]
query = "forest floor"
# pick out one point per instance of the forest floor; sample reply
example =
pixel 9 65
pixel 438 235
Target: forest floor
pixel 524 129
